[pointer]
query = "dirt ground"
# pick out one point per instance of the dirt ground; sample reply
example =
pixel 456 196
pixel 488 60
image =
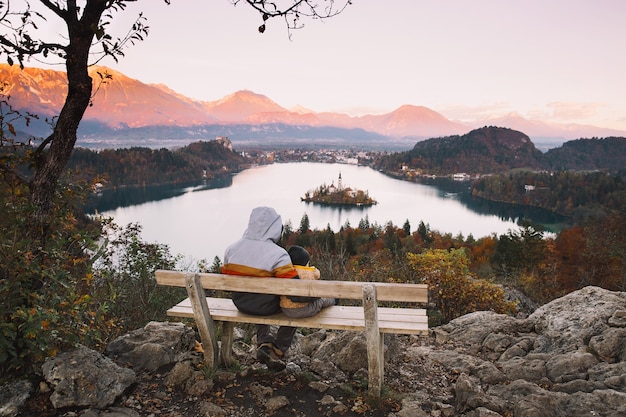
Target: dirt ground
pixel 242 394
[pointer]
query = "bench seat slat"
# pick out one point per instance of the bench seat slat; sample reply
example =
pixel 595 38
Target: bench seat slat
pixel 403 321
pixel 410 314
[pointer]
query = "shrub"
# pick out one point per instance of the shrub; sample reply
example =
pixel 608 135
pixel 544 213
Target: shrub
pixel 452 287
pixel 124 277
pixel 42 278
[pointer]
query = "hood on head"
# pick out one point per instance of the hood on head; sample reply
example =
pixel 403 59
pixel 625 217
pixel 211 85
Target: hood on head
pixel 264 224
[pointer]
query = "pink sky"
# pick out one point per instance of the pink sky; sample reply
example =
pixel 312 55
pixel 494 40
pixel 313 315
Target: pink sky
pixel 559 61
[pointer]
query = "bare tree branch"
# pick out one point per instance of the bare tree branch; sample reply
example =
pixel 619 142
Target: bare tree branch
pixel 293 10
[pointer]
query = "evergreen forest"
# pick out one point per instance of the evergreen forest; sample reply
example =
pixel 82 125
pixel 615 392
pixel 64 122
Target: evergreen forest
pixel 140 167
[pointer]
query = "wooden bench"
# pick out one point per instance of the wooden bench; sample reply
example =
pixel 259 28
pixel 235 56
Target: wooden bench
pixel 368 317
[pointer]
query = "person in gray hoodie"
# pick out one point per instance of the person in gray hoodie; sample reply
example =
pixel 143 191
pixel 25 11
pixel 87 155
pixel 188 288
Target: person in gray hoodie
pixel 258 254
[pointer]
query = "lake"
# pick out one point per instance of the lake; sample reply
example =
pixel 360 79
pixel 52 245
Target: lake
pixel 200 221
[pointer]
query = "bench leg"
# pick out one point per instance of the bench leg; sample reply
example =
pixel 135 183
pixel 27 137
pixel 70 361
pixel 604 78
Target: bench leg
pixel 203 318
pixel 375 345
pixel 226 350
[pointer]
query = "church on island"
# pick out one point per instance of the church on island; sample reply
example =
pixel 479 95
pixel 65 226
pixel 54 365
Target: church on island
pixel 338 195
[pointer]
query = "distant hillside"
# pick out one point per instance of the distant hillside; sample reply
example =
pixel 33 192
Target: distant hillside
pixel 544 133
pixel 484 150
pixel 492 150
pixel 140 166
pixel 589 154
pixel 95 135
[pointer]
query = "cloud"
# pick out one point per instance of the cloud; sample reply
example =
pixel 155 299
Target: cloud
pixel 471 113
pixel 355 111
pixel 561 110
pixel 589 113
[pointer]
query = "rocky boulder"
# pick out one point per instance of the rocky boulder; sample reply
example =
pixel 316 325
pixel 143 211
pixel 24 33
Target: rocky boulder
pixel 153 346
pixel 565 359
pixel 83 377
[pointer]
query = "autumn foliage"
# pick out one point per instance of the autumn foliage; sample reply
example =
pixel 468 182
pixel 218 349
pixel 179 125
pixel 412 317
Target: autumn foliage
pixel 452 287
pixel 592 254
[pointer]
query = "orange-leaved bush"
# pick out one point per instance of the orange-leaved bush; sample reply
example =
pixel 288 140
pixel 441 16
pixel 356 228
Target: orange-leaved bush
pixel 453 288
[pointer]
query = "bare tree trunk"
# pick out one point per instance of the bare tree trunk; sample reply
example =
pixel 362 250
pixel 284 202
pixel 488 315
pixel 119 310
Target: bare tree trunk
pixel 54 153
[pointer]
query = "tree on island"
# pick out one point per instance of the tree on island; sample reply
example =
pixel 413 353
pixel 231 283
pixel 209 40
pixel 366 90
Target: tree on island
pixel 345 196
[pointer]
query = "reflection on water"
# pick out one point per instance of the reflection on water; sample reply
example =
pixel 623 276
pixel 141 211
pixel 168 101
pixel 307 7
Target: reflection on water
pixel 339 208
pixel 518 214
pixel 549 220
pixel 132 196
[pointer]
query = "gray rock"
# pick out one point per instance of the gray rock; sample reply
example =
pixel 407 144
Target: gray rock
pixel 469 394
pixel 199 387
pixel 276 403
pixel 613 375
pixel 519 348
pixel 340 408
pixel 578 385
pixel 353 355
pixel 569 366
pixel 85 378
pixel 179 375
pixel 471 330
pixel 347 350
pixel 533 370
pixel 311 342
pixel 261 392
pixel 327 370
pixel 565 359
pixel 618 319
pixel 483 412
pixel 610 346
pixel 557 404
pixel 457 362
pixel 568 323
pixel 497 343
pixel 13 394
pixel 327 399
pixel 155 345
pixel 209 409
pixel 110 412
pixel 411 409
pixel 319 386
pixel 293 368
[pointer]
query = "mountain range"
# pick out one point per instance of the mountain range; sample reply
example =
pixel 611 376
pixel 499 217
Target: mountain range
pixel 127 112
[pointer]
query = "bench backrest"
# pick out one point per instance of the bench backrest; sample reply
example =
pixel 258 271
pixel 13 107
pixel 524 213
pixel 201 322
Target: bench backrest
pixel 410 293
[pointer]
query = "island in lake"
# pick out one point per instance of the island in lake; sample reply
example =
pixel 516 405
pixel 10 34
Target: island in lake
pixel 338 195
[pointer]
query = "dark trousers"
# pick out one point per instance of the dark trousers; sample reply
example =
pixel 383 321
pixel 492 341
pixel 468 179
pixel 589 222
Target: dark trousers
pixel 282 339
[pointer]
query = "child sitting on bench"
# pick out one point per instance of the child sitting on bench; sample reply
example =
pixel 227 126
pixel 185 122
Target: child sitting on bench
pixel 290 306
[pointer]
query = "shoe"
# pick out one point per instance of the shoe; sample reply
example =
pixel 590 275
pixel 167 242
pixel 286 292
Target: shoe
pixel 266 354
pixel 198 347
